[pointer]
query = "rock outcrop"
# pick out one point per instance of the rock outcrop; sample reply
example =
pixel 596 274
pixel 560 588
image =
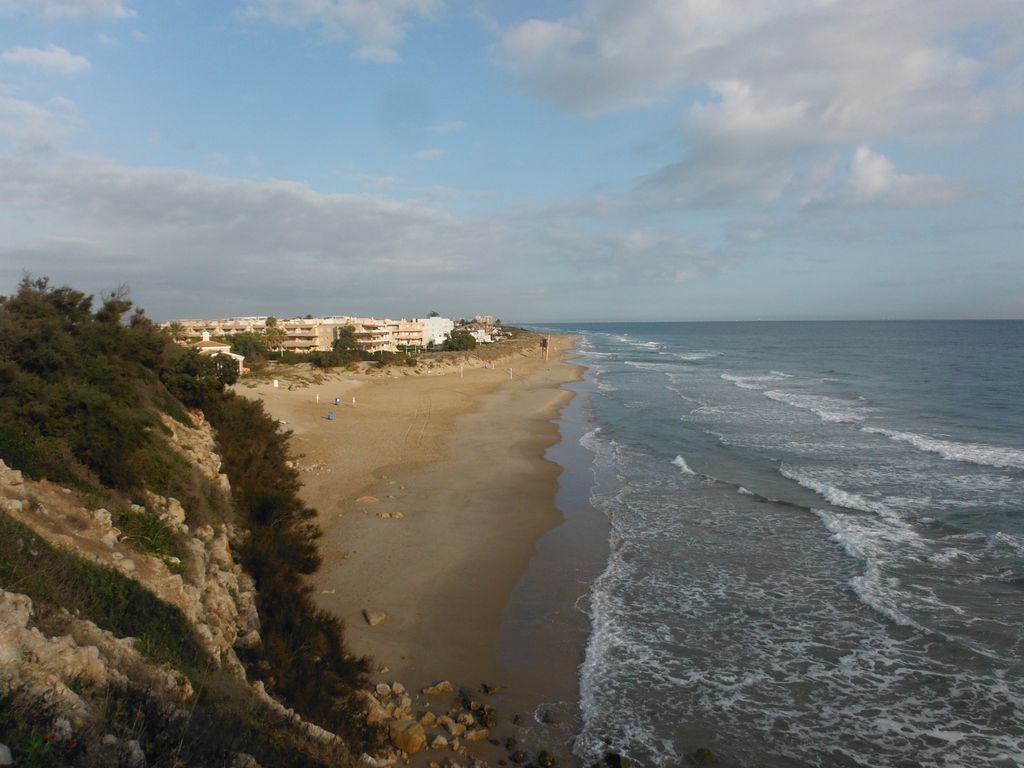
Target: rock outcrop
pixel 72 656
pixel 212 591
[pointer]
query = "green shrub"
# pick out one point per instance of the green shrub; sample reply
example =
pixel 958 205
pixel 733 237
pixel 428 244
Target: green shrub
pixel 148 533
pixel 459 340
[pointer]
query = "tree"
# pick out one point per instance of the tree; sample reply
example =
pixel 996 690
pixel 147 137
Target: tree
pixel 275 336
pixel 248 344
pixel 177 331
pixel 226 368
pixel 434 313
pixel 459 340
pixel 345 338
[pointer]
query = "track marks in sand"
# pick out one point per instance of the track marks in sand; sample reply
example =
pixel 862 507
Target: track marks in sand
pixel 422 412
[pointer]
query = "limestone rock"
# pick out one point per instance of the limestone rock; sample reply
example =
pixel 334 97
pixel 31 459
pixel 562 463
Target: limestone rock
pixel 454 728
pixel 6 758
pixel 383 689
pixel 376 715
pixel 408 736
pixel 367 500
pixel 249 640
pixel 397 688
pixel 373 617
pixel 439 742
pixel 477 734
pixel 438 688
pixel 428 719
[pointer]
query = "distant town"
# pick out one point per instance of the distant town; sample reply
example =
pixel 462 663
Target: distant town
pixel 319 334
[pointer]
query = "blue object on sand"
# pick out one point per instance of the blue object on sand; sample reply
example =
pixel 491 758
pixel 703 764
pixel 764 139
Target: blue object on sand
pixel 330 415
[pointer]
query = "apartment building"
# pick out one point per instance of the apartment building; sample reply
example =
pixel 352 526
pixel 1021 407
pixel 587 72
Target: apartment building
pixel 317 334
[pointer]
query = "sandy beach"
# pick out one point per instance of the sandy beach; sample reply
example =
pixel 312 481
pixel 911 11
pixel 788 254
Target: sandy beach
pixel 432 491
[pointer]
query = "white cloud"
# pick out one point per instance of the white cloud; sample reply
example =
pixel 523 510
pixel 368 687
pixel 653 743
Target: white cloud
pixel 429 154
pixel 449 127
pixel 28 124
pixel 193 244
pixel 52 57
pixel 869 65
pixel 775 82
pixel 68 9
pixel 874 181
pixel 377 27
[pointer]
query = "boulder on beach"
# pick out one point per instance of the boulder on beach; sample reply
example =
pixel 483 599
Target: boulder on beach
pixel 429 718
pixel 454 728
pixel 376 714
pixel 373 618
pixel 438 688
pixel 367 500
pixel 408 736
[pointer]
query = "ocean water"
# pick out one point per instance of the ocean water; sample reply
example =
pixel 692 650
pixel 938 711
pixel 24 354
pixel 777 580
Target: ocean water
pixel 817 543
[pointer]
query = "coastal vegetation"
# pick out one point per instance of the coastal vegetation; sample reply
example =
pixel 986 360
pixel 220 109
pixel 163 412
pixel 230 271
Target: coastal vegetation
pixel 458 341
pixel 88 398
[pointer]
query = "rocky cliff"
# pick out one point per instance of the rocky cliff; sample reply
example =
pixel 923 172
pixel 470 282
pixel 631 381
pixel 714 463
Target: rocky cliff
pixel 63 666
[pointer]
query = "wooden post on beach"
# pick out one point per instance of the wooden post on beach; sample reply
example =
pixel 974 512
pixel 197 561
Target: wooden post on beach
pixel 510 374
pixel 547 346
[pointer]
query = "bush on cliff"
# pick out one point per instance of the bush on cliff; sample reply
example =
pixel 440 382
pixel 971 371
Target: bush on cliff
pixel 81 393
pixel 307 662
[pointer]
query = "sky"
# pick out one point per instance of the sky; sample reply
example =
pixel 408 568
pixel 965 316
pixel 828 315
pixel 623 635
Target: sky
pixel 593 160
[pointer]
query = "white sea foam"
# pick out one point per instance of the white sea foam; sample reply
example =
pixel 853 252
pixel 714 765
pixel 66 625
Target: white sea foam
pixel 680 462
pixel 644 366
pixel 745 492
pixel 593 443
pixel 694 357
pixel 757 382
pixel 973 453
pixel 865 539
pixel 837 496
pixel 825 408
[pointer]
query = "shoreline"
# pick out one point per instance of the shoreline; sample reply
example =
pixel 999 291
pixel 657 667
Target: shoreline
pixel 434 493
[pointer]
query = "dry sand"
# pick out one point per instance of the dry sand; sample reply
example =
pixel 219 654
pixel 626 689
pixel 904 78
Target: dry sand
pixel 460 456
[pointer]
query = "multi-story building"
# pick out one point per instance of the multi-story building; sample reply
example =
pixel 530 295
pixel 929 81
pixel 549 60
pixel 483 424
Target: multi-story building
pixel 437 329
pixel 317 334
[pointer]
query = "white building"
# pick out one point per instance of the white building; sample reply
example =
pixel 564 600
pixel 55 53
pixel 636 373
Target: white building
pixel 217 349
pixel 438 328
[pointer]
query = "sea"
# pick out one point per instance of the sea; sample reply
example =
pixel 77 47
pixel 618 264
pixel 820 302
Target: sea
pixel 816 537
